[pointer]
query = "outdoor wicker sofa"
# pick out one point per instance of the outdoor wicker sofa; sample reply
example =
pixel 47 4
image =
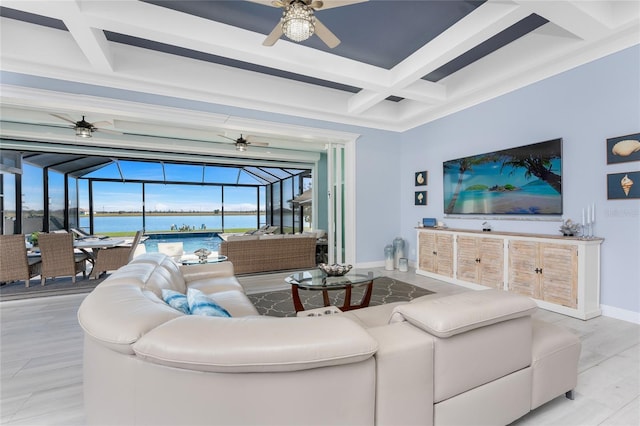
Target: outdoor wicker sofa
pixel 265 253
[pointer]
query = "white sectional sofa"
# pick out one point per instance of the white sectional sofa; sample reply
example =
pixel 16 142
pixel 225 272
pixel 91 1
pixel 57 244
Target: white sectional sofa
pixel 473 358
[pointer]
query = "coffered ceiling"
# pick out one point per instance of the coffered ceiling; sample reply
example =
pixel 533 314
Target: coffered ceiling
pixel 400 64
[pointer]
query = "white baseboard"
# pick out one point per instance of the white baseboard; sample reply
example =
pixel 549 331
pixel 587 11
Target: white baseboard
pixel 621 314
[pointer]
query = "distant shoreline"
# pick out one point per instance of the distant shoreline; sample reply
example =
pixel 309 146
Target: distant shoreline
pixel 112 214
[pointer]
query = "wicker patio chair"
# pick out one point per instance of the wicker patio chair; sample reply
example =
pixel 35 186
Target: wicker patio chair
pixel 59 258
pixel 14 263
pixel 80 233
pixel 110 259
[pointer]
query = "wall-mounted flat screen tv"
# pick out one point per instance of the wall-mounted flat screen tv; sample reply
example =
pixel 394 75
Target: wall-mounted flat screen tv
pixel 526 180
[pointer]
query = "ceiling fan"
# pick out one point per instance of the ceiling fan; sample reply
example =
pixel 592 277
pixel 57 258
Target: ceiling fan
pixel 298 22
pixel 83 128
pixel 242 144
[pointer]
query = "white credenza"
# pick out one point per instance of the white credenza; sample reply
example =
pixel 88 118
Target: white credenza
pixel 562 274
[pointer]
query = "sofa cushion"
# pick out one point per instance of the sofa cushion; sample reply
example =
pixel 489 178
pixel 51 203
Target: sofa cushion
pixel 555 352
pixel 131 274
pixel 200 304
pixel 256 343
pixel 162 279
pixel 235 302
pixel 451 315
pixel 176 300
pixel 172 269
pixel 372 316
pixel 118 315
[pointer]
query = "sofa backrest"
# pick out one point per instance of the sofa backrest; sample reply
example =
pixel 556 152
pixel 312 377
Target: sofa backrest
pixel 167 274
pixel 121 310
pixel 261 255
pixel 479 336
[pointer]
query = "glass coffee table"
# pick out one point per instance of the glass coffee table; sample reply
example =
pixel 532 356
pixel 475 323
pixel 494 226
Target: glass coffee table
pixel 317 280
pixel 191 260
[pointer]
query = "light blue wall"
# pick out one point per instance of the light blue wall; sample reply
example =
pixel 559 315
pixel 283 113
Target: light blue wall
pixel 378 193
pixel 584 106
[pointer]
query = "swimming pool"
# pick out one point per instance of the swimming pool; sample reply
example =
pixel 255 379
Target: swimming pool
pixel 191 241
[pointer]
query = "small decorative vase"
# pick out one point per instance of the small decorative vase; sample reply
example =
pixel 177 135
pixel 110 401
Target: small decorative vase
pixel 388 257
pixel 398 250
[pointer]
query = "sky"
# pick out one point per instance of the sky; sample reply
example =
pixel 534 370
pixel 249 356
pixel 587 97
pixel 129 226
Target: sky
pixel 119 196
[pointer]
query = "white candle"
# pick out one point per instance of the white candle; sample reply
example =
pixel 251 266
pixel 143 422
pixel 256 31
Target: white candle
pixel 583 217
pixel 588 216
pixel 593 213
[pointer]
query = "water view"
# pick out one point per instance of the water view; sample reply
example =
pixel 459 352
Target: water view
pixel 190 242
pixel 127 223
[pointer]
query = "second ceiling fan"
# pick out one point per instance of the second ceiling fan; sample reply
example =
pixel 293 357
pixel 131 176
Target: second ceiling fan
pixel 83 128
pixel 242 144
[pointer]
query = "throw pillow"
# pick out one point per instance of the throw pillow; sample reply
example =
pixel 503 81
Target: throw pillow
pixel 201 304
pixel 176 300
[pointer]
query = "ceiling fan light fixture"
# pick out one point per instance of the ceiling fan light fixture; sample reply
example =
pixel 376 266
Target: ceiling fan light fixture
pixel 241 146
pixel 298 21
pixel 83 132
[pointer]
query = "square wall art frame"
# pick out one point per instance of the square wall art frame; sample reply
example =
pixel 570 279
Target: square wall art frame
pixel 420 198
pixel 421 178
pixel 623 149
pixel 623 186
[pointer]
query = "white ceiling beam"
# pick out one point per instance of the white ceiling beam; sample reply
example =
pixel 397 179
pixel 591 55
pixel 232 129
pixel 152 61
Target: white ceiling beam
pixel 91 41
pixel 364 100
pixel 21 131
pixel 481 24
pixel 475 28
pixel 38 51
pixel 191 32
pixel 423 91
pixel 584 19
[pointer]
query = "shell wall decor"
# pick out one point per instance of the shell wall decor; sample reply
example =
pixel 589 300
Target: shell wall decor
pixel 623 149
pixel 622 186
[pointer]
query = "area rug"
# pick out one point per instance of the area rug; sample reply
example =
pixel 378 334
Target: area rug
pixel 385 290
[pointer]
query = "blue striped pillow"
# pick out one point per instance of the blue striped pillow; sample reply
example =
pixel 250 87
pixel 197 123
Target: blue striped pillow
pixel 201 304
pixel 176 300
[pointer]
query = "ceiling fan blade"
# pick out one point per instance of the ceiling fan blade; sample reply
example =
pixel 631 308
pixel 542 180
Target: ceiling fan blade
pixel 329 4
pixel 111 132
pixel 64 117
pixel 250 141
pixel 271 3
pixel 102 123
pixel 274 36
pixel 326 35
pixel 227 137
pixel 316 4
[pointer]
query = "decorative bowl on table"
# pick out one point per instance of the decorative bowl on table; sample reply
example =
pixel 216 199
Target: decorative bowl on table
pixel 334 270
pixel 202 254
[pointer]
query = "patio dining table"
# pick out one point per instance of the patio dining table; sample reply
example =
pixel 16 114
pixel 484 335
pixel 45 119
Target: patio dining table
pixel 89 245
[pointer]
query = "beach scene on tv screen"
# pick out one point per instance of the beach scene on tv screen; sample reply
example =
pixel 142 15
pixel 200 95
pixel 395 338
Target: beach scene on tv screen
pixel 526 180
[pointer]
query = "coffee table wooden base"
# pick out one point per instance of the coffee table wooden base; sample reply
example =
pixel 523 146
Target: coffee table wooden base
pixel 346 306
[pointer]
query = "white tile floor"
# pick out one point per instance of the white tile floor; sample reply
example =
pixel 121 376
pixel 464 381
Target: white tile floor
pixel 41 362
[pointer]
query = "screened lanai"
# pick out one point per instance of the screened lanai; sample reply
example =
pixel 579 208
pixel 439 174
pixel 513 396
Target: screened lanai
pixel 43 192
